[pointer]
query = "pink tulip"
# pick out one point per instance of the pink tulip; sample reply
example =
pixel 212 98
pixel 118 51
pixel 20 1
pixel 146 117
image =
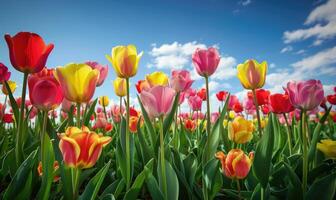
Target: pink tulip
pixel 180 80
pixel 66 105
pixel 101 68
pixel 305 95
pixel 184 115
pixel 233 101
pixel 206 61
pixel 182 97
pixel 214 117
pixel 158 101
pixel 116 112
pixel 190 92
pixel 195 103
pixel 198 115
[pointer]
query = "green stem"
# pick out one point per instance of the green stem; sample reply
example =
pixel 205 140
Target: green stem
pixel 19 135
pixel 257 110
pixel 304 149
pixel 75 173
pixel 163 163
pixel 42 135
pixel 208 105
pixel 289 136
pixel 238 188
pixel 128 155
pixel 262 193
pixel 78 115
pixel 104 108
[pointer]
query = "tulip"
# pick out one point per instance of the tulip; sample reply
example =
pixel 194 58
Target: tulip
pixel 181 80
pixel 66 105
pixel 45 92
pixel 232 101
pixel 8 118
pixel 236 164
pixel 125 60
pixel 214 117
pixel 182 98
pixel 237 107
pixel 261 95
pixel 4 73
pixel 195 103
pixel 81 148
pixel 12 87
pixel 104 101
pixel 221 95
pixel 190 125
pixel 232 114
pixel 142 85
pixel 133 126
pixel 157 78
pixel 119 85
pixel 202 94
pixel 28 52
pixel 251 74
pixel 279 103
pixel 240 130
pixel 328 148
pixel 332 99
pixel 116 112
pixel 206 61
pixel 190 92
pixel 103 71
pixel 78 81
pixel 305 95
pixel 158 101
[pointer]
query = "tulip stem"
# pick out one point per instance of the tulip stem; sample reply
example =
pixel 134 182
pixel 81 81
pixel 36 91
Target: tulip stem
pixel 288 134
pixel 75 178
pixel 163 163
pixel 42 135
pixel 19 135
pixel 304 149
pixel 238 188
pixel 128 156
pixel 208 105
pixel 257 111
pixel 78 115
pixel 104 108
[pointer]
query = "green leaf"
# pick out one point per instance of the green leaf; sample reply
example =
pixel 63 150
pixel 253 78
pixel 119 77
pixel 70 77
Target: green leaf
pixel 212 178
pixel 264 150
pixel 18 185
pixel 169 118
pixel 47 168
pixel 13 103
pixel 171 180
pixel 133 192
pixel 89 113
pixel 153 187
pixel 92 188
pixel 146 152
pixel 323 188
pixel 295 189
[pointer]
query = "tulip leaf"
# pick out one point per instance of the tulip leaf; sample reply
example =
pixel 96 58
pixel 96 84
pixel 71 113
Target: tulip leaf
pixel 89 113
pixel 212 178
pixel 145 150
pixel 169 118
pixel 92 188
pixel 295 188
pixel 171 180
pixel 47 168
pixel 264 150
pixel 133 192
pixel 13 103
pixel 148 122
pixel 323 188
pixel 153 187
pixel 21 183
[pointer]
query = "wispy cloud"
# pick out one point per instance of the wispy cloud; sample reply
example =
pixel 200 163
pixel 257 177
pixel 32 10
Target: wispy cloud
pixel 286 49
pixel 245 3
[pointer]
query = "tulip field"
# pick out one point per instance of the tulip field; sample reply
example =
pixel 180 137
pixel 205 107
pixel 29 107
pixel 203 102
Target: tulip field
pixel 58 140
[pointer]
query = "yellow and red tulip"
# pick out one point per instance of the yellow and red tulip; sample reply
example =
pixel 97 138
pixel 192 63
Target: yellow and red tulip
pixel 119 85
pixel 240 130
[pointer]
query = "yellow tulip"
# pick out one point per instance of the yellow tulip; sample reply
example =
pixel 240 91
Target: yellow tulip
pixel 225 122
pixel 104 101
pixel 78 81
pixel 119 85
pixel 240 130
pixel 125 60
pixel 157 78
pixel 232 114
pixel 12 87
pixel 328 147
pixel 252 74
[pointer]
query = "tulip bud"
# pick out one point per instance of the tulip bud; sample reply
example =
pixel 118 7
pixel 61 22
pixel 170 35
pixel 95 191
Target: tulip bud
pixel 120 88
pixel 104 101
pixel 12 87
pixel 240 130
pixel 328 147
pixel 251 74
pixel 157 78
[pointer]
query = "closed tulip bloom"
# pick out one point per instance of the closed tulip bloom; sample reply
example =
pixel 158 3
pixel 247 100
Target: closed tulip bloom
pixel 279 103
pixel 78 81
pixel 240 130
pixel 45 92
pixel 235 165
pixel 158 101
pixel 202 94
pixel 206 61
pixel 104 101
pixel 12 87
pixel 119 86
pixel 28 52
pixel 142 85
pixel 133 125
pixel 4 73
pixel 157 78
pixel 125 60
pixel 181 80
pixel 252 74
pixel 221 95
pixel 328 147
pixel 332 99
pixel 262 96
pixel 195 103
pixel 103 71
pixel 305 95
pixel 190 125
pixel 81 148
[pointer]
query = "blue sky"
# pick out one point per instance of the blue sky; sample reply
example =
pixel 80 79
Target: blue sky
pixel 296 38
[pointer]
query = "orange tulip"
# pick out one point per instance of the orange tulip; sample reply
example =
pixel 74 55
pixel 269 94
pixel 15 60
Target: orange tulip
pixel 81 148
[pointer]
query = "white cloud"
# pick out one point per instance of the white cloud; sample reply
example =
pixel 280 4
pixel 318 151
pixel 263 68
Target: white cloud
pixel 245 3
pixel 286 49
pixel 215 86
pixel 325 28
pixel 174 55
pixel 272 65
pixel 226 68
pixel 301 51
pixel 317 42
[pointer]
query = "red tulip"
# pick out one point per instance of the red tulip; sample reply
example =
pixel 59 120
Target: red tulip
pixel 4 73
pixel 202 94
pixel 190 125
pixel 262 96
pixel 221 96
pixel 237 107
pixel 45 92
pixel 279 103
pixel 28 52
pixel 142 85
pixel 332 99
pixel 8 118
